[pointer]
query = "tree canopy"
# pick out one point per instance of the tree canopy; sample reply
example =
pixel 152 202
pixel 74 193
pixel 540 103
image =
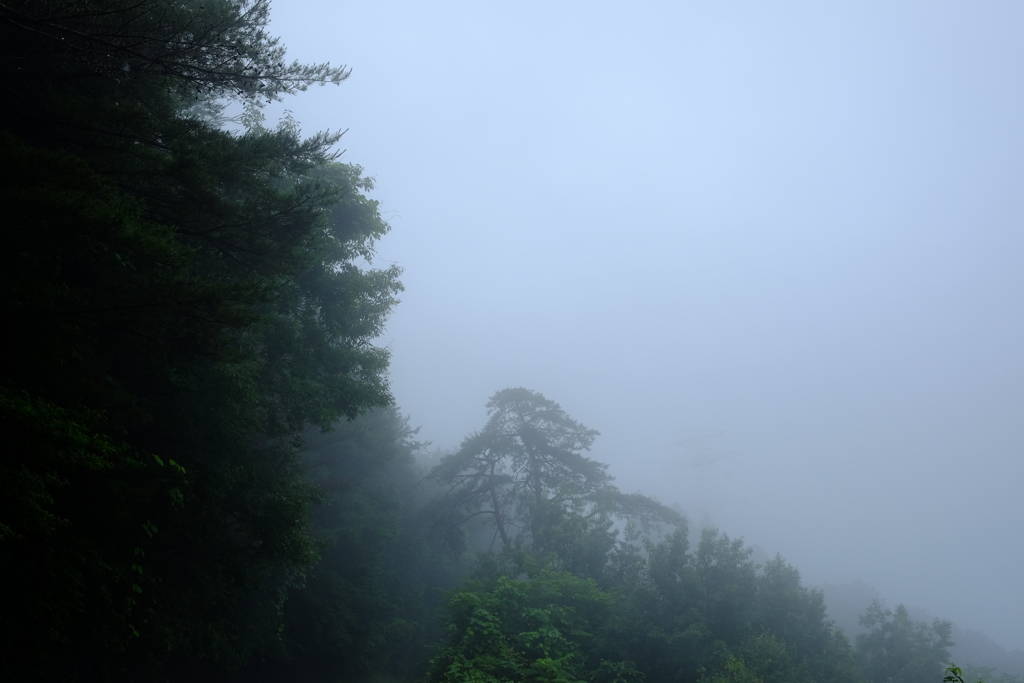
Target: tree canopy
pixel 897 648
pixel 202 475
pixel 184 299
pixel 525 471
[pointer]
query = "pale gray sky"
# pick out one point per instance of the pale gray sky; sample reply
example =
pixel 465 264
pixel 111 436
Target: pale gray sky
pixel 796 223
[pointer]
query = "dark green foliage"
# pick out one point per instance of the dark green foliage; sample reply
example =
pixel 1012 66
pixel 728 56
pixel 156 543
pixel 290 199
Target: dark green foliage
pixel 794 613
pixel 145 49
pixel 897 648
pixel 981 674
pixel 368 605
pixel 711 614
pixel 955 674
pixel 666 612
pixel 704 615
pixel 526 475
pixel 182 300
pixel 542 627
pixel 528 451
pixel 190 311
pixel 984 658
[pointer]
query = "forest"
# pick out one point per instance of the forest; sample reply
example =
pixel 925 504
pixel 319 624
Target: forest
pixel 205 476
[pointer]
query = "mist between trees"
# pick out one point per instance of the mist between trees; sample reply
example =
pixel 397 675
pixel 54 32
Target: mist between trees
pixel 205 477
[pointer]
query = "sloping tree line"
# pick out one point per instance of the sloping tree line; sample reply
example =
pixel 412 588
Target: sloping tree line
pixel 590 584
pixel 620 597
pixel 191 319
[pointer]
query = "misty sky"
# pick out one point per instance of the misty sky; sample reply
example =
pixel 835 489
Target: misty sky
pixel 798 226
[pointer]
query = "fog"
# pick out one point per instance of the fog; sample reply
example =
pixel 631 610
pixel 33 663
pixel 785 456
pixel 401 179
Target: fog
pixel 772 251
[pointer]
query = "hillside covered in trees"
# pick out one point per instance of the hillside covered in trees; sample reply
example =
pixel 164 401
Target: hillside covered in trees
pixel 204 476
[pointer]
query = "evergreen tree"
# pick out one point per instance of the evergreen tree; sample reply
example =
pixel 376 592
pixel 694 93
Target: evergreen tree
pixel 525 472
pixel 183 300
